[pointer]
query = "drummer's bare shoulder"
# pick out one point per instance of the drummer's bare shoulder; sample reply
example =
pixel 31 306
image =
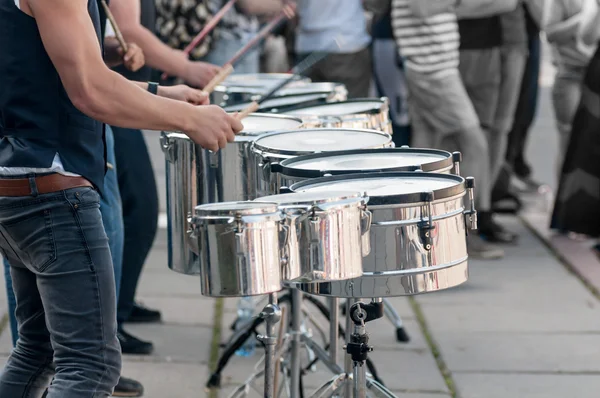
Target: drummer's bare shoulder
pixel 71 42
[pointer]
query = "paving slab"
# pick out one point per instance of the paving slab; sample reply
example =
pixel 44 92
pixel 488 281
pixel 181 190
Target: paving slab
pixel 168 380
pixel 175 343
pixel 167 283
pixel 183 310
pixel 527 386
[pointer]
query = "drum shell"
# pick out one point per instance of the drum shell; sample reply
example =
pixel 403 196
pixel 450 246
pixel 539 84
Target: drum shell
pixel 399 264
pixel 240 262
pixel 376 119
pixel 268 182
pixel 327 243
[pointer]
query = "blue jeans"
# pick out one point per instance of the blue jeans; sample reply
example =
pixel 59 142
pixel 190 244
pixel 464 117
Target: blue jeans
pixel 225 47
pixel 112 219
pixel 63 280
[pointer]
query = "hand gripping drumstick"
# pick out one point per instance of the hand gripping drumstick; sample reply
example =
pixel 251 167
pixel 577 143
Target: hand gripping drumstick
pixel 115 27
pixel 228 67
pixel 206 30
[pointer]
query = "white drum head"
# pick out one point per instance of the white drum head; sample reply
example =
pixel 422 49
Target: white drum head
pixel 368 161
pixel 323 140
pixel 310 197
pixel 339 108
pixel 257 124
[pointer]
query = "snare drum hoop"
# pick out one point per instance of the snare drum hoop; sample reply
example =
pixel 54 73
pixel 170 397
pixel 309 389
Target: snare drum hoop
pixel 257 134
pixel 286 167
pixel 261 208
pixel 330 199
pixel 383 104
pixel 412 199
pixel 261 149
pixel 269 106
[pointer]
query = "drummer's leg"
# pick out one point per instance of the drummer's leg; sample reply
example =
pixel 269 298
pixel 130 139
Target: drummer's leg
pixel 354 70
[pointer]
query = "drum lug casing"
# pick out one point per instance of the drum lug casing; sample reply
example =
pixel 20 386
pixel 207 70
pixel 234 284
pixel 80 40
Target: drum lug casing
pixel 426 226
pixel 456 159
pixel 213 159
pixel 167 148
pixel 471 214
pixel 365 226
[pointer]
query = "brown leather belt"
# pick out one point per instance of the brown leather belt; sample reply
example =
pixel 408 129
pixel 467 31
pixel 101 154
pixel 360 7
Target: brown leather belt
pixel 45 184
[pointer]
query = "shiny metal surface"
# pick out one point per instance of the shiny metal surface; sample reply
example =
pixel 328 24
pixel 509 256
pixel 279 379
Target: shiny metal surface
pixel 239 248
pixel 229 94
pixel 365 113
pixel 275 147
pixel 196 176
pixel 326 235
pixel 317 165
pixel 406 256
pixel 282 104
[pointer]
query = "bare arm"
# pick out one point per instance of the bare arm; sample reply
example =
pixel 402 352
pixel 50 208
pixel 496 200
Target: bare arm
pixel 590 25
pixel 260 7
pixel 484 8
pixel 71 42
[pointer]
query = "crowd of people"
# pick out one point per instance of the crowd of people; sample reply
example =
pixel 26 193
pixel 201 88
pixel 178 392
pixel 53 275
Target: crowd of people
pixel 460 75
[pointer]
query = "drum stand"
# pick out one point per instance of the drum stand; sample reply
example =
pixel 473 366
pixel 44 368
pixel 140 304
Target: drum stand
pixel 354 380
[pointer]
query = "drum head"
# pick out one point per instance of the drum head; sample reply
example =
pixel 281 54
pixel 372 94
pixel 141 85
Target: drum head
pixel 232 208
pixel 310 197
pixel 341 108
pixel 363 160
pixel 321 140
pixel 257 123
pixel 389 188
pixel 260 79
pixel 281 102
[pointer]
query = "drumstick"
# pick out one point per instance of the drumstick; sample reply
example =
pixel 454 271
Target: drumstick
pixel 218 79
pixel 206 30
pixel 305 64
pixel 115 27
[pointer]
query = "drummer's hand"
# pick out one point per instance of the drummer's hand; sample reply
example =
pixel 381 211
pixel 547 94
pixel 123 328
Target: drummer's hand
pixel 184 93
pixel 134 57
pixel 289 9
pixel 198 74
pixel 212 127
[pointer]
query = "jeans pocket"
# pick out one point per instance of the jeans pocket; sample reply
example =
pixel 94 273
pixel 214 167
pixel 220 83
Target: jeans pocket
pixel 33 237
pixel 84 197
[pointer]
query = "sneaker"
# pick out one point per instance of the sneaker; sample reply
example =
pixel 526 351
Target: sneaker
pixel 132 345
pixel 128 388
pixel 141 314
pixel 479 249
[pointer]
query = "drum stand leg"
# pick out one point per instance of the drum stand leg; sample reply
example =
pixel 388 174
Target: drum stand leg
pixel 295 351
pixel 354 379
pixel 272 314
pixel 392 316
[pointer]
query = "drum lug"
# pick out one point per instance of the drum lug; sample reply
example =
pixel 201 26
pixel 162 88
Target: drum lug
pixel 366 220
pixel 284 238
pixel 471 214
pixel 213 159
pixel 426 226
pixel 166 147
pixel 456 159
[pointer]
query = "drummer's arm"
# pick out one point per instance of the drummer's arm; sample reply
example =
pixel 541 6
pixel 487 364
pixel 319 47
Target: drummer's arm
pixel 261 7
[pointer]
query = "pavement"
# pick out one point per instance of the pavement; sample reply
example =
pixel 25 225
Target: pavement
pixel 527 326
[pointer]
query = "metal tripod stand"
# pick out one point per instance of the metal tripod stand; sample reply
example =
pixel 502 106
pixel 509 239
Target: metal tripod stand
pixel 353 380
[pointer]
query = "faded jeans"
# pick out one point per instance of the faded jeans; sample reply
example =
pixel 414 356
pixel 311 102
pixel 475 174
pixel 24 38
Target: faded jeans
pixel 112 219
pixel 63 279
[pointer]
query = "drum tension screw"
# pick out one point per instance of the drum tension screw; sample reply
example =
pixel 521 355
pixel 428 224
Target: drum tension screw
pixel 426 226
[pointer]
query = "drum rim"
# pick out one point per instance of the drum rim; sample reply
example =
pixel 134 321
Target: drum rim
pixel 264 149
pixel 258 90
pixel 332 197
pixel 286 168
pixel 262 208
pixel 312 97
pixel 397 199
pixel 383 101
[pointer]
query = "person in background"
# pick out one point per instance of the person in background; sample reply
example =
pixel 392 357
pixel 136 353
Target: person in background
pixel 388 72
pixel 442 115
pixel 480 67
pixel 339 29
pixel 577 205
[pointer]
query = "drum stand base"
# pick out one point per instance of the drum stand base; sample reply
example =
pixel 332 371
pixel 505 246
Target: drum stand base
pixel 353 380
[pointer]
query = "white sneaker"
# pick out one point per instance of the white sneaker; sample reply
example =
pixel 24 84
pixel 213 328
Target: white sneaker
pixel 480 249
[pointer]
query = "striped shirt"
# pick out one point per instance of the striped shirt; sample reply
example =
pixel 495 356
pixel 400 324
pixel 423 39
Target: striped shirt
pixel 427 45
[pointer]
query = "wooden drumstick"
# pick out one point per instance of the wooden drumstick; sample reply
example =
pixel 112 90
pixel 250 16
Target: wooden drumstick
pixel 115 27
pixel 218 79
pixel 253 107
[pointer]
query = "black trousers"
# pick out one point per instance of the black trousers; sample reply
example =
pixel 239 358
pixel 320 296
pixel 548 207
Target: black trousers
pixel 139 197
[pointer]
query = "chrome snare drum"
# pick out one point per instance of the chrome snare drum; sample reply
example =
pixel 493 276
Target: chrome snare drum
pixel 329 234
pixel 196 176
pixel 239 248
pixel 231 95
pixel 367 113
pixel 365 161
pixel 275 147
pixel 418 233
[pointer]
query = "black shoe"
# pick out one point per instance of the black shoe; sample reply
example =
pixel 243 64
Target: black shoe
pixel 141 314
pixel 509 203
pixel 128 388
pixel 133 345
pixel 492 231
